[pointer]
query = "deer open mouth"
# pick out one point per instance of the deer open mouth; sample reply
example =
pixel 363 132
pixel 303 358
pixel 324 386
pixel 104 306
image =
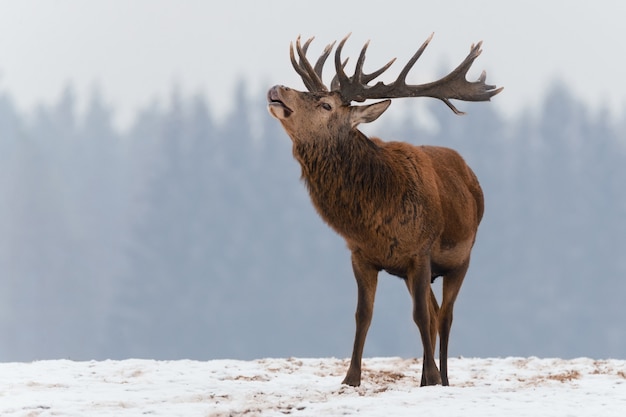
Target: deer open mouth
pixel 273 99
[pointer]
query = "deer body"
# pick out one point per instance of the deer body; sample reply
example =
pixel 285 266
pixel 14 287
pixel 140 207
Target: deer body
pixel 412 211
pixel 375 194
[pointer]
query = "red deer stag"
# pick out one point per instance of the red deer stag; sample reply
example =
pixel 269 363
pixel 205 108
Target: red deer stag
pixel 412 211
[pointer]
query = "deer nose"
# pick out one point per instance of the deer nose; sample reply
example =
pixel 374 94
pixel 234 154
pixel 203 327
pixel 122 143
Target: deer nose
pixel 272 94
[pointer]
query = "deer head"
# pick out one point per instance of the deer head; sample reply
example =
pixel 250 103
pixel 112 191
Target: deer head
pixel 329 111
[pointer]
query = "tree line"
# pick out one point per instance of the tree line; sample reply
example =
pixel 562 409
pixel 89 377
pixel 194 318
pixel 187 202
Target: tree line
pixel 191 236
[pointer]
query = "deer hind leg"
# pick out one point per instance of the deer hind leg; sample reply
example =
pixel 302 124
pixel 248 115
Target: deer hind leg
pixel 434 319
pixel 424 315
pixel 366 279
pixel 451 285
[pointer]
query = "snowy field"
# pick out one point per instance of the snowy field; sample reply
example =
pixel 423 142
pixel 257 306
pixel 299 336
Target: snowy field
pixel 312 387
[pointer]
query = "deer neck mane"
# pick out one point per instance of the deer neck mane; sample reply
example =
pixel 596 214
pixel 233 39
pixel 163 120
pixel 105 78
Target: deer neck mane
pixel 348 178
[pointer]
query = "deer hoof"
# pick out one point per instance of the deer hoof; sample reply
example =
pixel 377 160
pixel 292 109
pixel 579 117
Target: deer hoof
pixel 352 380
pixel 427 380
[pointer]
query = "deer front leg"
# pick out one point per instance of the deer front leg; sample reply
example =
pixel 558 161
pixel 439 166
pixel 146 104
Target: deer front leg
pixel 366 280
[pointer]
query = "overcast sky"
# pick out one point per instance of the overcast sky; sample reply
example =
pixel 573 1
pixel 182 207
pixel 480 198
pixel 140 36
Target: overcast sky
pixel 134 51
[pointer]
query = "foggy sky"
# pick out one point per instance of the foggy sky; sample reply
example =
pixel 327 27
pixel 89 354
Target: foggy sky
pixel 135 52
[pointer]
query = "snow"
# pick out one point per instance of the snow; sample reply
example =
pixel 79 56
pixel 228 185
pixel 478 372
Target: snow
pixel 312 387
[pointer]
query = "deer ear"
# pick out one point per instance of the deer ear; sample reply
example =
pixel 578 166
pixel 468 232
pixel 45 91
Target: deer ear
pixel 369 113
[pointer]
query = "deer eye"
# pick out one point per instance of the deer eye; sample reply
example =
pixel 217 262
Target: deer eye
pixel 326 106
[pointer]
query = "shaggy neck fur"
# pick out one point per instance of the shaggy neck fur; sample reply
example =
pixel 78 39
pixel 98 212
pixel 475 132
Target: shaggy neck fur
pixel 343 174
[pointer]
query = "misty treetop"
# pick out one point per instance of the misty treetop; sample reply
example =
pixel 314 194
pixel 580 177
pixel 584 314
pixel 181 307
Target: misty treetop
pixel 191 236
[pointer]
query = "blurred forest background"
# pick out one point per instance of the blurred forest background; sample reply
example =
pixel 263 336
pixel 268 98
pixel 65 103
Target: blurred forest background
pixel 189 236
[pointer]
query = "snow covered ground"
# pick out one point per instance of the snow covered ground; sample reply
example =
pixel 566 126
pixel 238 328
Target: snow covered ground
pixel 312 387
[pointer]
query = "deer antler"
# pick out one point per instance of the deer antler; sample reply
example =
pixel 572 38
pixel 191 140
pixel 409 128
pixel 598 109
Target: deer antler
pixel 452 86
pixel 311 76
pixel 356 88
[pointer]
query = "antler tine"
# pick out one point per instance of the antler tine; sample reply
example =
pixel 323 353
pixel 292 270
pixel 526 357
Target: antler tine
pixel 362 78
pixel 341 77
pixel 334 85
pixel 369 77
pixel 297 67
pixel 358 70
pixel 305 47
pixel 319 65
pixel 309 75
pixel 405 71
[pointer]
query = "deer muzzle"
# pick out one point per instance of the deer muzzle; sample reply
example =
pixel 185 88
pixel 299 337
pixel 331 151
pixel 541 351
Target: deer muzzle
pixel 275 104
